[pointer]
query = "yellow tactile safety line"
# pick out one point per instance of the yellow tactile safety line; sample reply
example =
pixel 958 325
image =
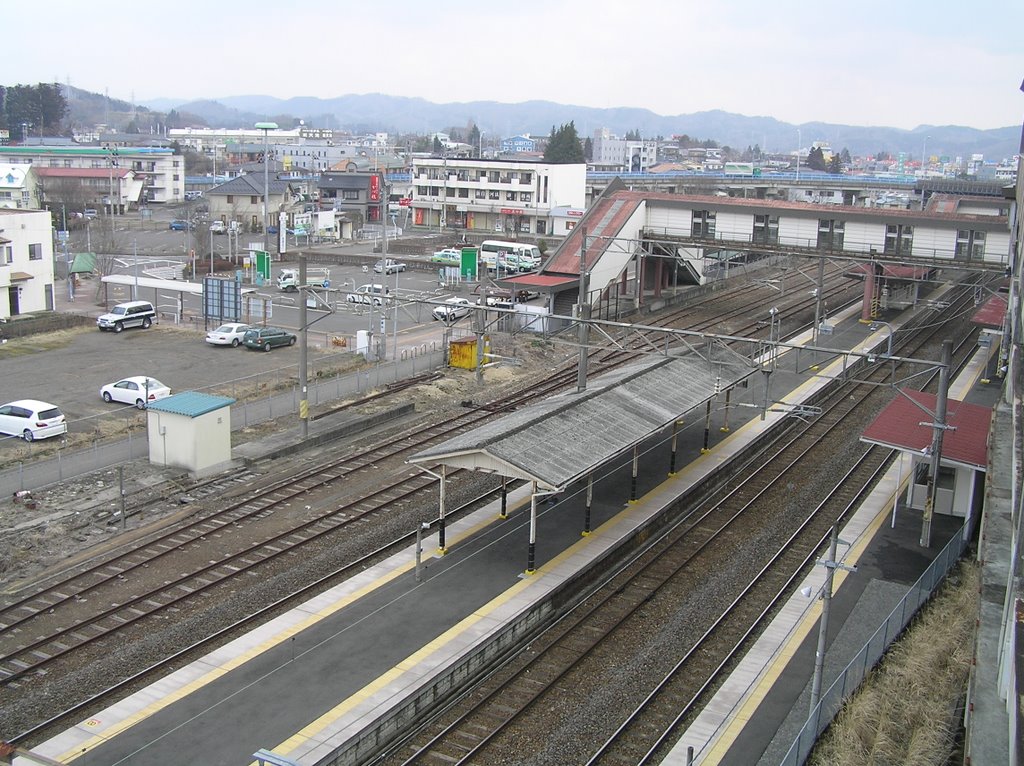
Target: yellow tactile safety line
pixel 278 638
pixel 767 680
pixel 725 740
pixel 313 729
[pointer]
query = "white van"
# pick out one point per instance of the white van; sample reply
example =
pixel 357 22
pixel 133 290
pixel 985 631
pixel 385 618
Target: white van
pixel 372 294
pixel 131 314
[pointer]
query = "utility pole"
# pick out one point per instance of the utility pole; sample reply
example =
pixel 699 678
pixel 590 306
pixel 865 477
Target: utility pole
pixel 583 314
pixel 938 427
pixel 303 351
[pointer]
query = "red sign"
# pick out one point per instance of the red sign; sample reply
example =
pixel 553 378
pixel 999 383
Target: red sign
pixel 574 213
pixel 375 188
pixel 512 211
pixel 405 202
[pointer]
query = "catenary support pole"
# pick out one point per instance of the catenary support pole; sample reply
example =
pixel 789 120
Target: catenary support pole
pixel 441 549
pixel 590 503
pixel 632 484
pixel 303 350
pixel 531 555
pixel 938 427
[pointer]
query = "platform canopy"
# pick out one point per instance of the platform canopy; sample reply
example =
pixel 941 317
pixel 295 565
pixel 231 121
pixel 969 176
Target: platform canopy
pixel 906 424
pixel 563 438
pixel 167 285
pixel 992 312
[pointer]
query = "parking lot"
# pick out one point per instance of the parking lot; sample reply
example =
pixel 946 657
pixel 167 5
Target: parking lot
pixel 69 368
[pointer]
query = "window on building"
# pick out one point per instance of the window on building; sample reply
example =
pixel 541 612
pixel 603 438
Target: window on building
pixel 830 234
pixel 494 194
pixel 970 245
pixel 35 252
pixel 510 196
pixel 254 200
pixel 703 224
pixel 481 194
pixel 526 196
pixel 449 191
pixel 350 195
pixel 435 191
pixel 542 226
pixel 231 199
pixel 421 191
pixel 899 239
pixel 494 176
pixel 766 228
pixel 464 193
pixel 525 177
pixel 5 255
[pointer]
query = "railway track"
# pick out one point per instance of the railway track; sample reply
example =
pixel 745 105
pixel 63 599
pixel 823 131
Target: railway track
pixel 55 635
pixel 514 703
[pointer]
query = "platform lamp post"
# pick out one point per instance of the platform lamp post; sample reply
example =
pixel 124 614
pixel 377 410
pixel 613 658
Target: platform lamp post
pixel 266 127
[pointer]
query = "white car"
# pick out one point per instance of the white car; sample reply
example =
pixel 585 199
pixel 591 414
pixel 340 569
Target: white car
pixel 138 390
pixel 32 419
pixel 452 309
pixel 229 334
pixel 376 295
pixel 218 227
pixel 388 267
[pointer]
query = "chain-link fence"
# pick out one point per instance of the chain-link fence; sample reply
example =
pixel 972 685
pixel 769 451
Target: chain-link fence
pixel 853 675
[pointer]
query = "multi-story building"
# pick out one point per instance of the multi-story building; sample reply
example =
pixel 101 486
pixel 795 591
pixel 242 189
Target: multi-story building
pixel 506 196
pixel 123 176
pixel 26 262
pixel 363 195
pixel 625 155
pixel 518 145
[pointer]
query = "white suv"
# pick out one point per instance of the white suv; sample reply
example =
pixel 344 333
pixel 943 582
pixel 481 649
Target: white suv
pixel 131 314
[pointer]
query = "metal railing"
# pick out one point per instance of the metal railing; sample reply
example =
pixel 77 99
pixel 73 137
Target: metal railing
pixel 853 675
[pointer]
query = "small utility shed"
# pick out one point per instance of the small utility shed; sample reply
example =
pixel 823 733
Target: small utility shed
pixel 190 430
pixel 906 425
pixel 564 438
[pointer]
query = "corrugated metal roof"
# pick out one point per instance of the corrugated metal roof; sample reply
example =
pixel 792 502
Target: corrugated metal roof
pixel 992 312
pixel 899 426
pixel 191 403
pixel 564 437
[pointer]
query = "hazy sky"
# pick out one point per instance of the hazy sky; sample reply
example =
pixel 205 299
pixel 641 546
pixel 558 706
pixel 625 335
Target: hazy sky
pixel 899 63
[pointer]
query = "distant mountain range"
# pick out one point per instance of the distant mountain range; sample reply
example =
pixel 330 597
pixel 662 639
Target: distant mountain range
pixel 397 114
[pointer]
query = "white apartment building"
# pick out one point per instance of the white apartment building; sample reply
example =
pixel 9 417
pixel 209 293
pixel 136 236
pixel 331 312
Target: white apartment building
pixel 509 197
pixel 301 148
pixel 127 176
pixel 611 153
pixel 26 262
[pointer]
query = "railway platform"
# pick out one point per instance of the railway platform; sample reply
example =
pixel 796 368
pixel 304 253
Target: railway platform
pixel 320 683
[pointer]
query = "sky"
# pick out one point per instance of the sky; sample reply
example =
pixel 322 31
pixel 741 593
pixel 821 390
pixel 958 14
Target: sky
pixel 895 63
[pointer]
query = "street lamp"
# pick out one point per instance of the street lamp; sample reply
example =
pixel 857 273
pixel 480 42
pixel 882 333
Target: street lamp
pixel 266 127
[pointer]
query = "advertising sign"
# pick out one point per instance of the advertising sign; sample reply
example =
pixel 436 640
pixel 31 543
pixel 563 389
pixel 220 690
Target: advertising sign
pixel 375 188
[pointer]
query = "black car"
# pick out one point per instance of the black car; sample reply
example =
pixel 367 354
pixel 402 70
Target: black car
pixel 265 338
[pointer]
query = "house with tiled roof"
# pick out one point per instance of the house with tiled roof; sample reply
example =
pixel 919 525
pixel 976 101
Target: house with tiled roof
pixel 240 200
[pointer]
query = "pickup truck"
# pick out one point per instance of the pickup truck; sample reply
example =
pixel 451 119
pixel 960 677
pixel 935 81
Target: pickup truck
pixel 288 279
